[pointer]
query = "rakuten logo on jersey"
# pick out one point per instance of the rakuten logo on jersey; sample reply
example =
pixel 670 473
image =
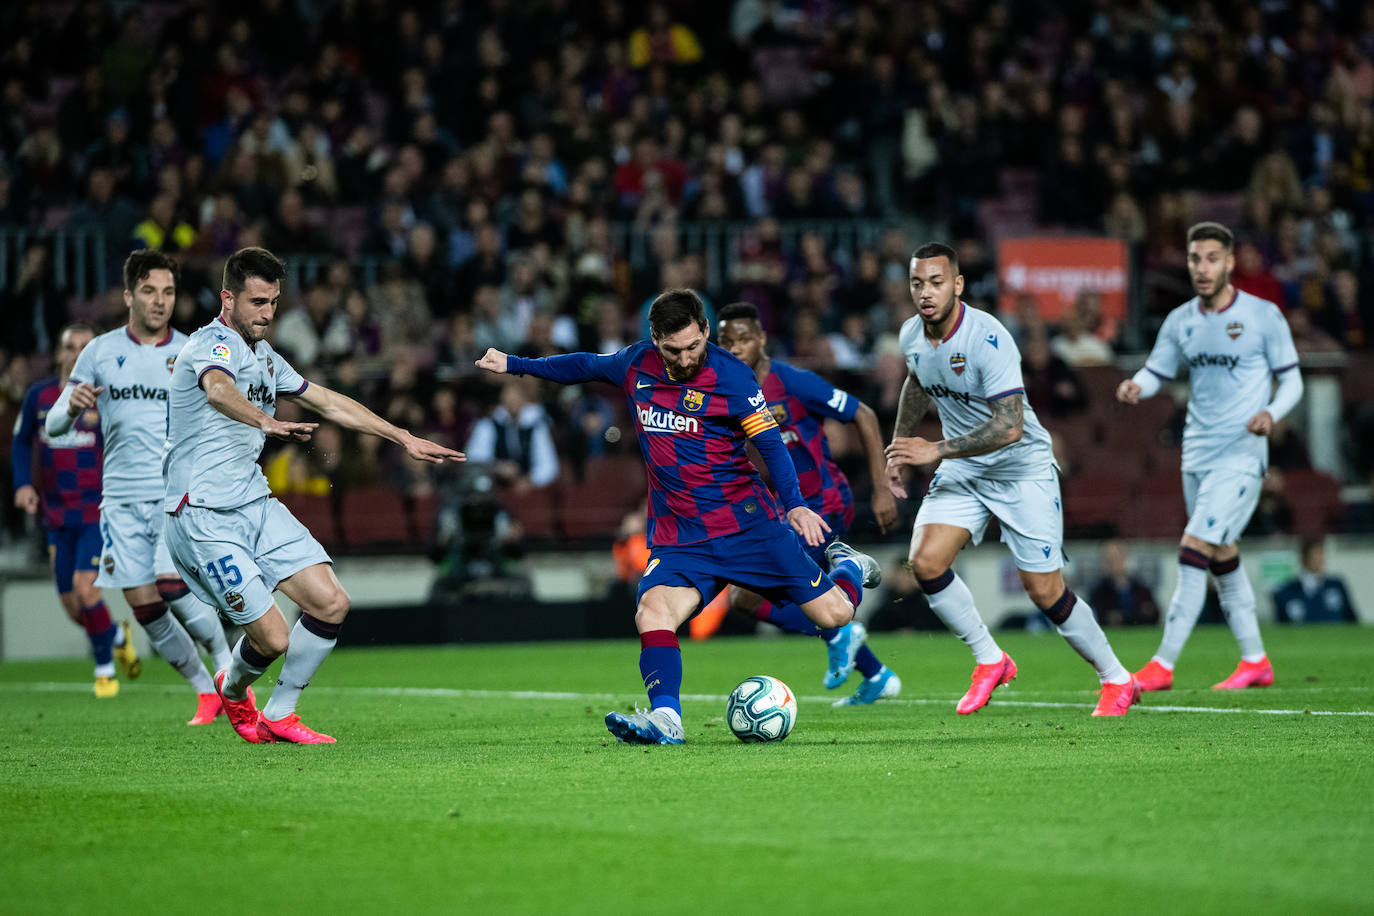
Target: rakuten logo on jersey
pixel 138 393
pixel 654 420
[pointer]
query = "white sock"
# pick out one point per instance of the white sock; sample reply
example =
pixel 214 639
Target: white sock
pixel 304 655
pixel 173 643
pixel 105 670
pixel 119 639
pixel 1238 604
pixel 954 605
pixel 240 673
pixel 1081 631
pixel 670 713
pixel 202 623
pixel 1184 609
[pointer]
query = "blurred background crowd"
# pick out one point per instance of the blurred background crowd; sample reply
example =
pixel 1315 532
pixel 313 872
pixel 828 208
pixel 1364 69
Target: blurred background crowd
pixel 447 175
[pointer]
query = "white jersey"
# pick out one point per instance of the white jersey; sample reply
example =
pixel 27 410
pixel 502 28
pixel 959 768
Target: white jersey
pixel 133 408
pixel 211 460
pixel 1233 355
pixel 976 364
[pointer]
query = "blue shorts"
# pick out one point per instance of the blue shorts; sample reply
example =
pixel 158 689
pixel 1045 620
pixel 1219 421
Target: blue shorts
pixel 769 558
pixel 73 549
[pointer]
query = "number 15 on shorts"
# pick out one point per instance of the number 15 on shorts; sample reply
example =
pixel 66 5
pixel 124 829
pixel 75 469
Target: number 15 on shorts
pixel 224 572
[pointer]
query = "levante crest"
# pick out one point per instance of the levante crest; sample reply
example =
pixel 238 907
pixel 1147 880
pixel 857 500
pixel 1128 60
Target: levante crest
pixel 1234 329
pixel 956 363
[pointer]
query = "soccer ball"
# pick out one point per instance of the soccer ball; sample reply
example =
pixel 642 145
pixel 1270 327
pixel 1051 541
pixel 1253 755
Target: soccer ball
pixel 761 708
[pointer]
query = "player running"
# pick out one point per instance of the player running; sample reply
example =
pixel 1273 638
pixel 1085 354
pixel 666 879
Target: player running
pixel 1234 345
pixel 231 540
pixel 995 462
pixel 125 373
pixel 712 520
pixel 69 492
pixel 801 401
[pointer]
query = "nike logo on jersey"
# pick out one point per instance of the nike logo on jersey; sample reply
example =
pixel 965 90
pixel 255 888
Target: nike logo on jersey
pixel 644 384
pixel 818 580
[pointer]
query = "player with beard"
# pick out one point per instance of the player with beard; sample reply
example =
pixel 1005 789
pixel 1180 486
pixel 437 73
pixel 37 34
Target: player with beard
pixel 995 461
pixel 125 374
pixel 712 521
pixel 229 537
pixel 801 401
pixel 1235 346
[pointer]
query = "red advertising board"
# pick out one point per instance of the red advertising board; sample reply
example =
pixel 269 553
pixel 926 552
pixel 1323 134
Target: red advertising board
pixel 1054 270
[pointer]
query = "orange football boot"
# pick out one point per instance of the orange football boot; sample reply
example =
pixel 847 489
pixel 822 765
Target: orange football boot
pixel 1154 676
pixel 290 729
pixel 243 714
pixel 1117 699
pixel 1248 674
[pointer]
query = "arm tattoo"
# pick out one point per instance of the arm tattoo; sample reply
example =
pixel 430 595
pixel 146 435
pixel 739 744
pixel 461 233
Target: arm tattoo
pixel 911 407
pixel 1002 428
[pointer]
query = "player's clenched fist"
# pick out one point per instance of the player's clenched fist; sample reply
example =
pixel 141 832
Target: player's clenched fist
pixel 1128 392
pixel 493 361
pixel 83 397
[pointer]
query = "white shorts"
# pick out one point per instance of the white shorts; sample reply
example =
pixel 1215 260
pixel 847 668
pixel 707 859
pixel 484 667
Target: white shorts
pixel 1030 512
pixel 1219 504
pixel 232 559
pixel 133 551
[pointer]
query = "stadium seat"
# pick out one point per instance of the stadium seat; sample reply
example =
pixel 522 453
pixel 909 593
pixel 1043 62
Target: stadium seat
pixel 374 516
pixel 535 510
pixel 1095 503
pixel 1315 499
pixel 315 513
pixel 609 488
pixel 1156 508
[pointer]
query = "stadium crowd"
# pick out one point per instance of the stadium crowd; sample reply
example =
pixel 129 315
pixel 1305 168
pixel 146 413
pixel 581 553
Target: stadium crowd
pixel 446 176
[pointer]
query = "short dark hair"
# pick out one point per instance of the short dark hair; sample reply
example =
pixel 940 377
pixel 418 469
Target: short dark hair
pixel 252 262
pixel 675 309
pixel 740 311
pixel 143 262
pixel 1309 544
pixel 937 250
pixel 1210 231
pixel 76 326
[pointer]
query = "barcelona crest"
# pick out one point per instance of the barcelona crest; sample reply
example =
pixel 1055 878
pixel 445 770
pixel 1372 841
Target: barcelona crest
pixel 956 363
pixel 1234 329
pixel 779 412
pixel 692 400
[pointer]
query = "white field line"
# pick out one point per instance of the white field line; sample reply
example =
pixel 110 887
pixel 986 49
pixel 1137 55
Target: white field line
pixel 462 694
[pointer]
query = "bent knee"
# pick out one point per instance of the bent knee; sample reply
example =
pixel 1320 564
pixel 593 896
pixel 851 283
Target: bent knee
pixel 271 645
pixel 833 611
pixel 741 599
pixel 926 567
pixel 335 607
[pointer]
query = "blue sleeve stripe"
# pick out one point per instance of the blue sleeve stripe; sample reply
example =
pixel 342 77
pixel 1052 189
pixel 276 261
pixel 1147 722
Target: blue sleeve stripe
pixel 1007 393
pixel 1285 368
pixel 1167 378
pixel 217 369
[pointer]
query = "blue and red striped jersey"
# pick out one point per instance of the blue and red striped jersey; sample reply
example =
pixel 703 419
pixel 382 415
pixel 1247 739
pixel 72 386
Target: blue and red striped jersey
pixel 800 402
pixel 692 435
pixel 69 465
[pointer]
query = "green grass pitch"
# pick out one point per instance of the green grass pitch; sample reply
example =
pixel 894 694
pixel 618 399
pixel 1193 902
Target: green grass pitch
pixel 480 779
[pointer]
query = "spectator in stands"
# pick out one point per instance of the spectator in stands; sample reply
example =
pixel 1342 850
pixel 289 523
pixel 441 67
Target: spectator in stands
pixel 1052 386
pixel 162 230
pixel 121 154
pixel 1119 598
pixel 34 307
pixel 1075 343
pixel 1272 515
pixel 661 40
pixel 515 439
pixel 1312 596
pixel 315 333
pixel 291 232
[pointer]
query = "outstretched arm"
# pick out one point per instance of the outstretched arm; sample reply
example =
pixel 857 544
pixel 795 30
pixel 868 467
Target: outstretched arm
pixel 884 501
pixel 346 412
pixel 565 368
pixel 228 400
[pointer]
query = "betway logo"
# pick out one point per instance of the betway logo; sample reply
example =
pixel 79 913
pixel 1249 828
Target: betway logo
pixel 940 391
pixel 260 394
pixel 665 421
pixel 1214 359
pixel 138 393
